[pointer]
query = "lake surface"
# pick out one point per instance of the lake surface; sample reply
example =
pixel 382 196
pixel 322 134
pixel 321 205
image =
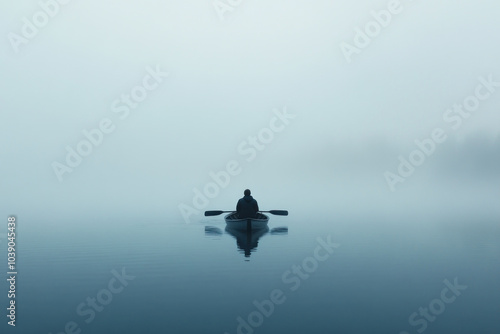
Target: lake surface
pixel 350 274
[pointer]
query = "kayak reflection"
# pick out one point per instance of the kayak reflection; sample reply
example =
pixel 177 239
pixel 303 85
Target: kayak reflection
pixel 246 240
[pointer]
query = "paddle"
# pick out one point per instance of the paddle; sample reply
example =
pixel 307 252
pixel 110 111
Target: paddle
pixel 215 213
pixel 277 212
pixel 273 212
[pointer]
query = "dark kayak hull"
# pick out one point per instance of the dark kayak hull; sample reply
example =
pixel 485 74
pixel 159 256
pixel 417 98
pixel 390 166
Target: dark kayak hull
pixel 256 223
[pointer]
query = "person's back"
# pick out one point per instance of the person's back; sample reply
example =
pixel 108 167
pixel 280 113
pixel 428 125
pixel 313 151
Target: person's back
pixel 247 206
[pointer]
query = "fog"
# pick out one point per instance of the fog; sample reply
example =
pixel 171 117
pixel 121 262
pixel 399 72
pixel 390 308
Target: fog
pixel 329 127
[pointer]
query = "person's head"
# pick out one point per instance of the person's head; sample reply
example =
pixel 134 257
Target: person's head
pixel 247 192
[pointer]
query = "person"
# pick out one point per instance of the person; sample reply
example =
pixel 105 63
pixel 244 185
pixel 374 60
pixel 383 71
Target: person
pixel 247 206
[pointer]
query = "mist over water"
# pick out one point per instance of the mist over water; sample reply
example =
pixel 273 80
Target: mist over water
pixel 225 79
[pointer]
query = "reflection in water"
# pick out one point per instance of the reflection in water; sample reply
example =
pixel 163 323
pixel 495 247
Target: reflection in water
pixel 247 241
pixel 212 231
pixel 279 231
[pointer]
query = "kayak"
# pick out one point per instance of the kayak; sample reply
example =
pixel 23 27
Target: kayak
pixel 233 221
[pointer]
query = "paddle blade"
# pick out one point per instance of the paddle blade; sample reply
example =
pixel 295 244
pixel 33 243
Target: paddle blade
pixel 279 212
pixel 213 213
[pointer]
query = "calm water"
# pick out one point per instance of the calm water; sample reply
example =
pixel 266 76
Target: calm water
pixel 200 278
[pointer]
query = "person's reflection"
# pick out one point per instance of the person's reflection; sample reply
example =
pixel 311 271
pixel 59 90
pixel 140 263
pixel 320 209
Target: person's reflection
pixel 247 241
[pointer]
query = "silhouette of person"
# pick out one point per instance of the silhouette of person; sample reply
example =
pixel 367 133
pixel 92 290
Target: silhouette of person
pixel 247 206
